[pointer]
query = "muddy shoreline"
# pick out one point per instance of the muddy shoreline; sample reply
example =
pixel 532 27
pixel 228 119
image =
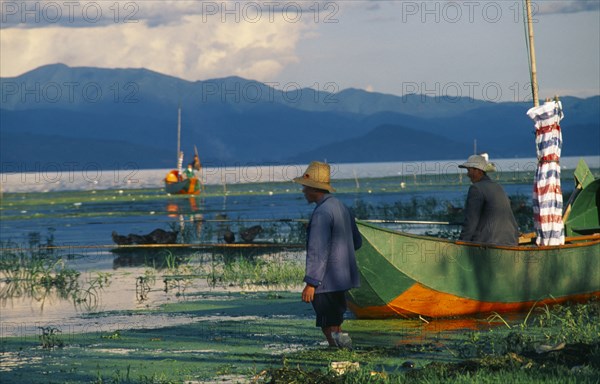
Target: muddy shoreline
pixel 265 336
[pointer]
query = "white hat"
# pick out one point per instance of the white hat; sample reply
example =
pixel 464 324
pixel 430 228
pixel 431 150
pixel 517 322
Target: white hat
pixel 478 162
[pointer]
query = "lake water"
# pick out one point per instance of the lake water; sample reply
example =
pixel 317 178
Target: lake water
pixel 84 208
pixel 78 212
pixel 88 177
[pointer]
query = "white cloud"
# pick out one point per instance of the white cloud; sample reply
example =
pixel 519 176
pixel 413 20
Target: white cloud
pixel 385 44
pixel 195 48
pixel 565 6
pixel 88 13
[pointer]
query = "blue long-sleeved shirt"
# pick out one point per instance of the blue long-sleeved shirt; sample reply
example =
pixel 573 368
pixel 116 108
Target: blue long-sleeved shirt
pixel 331 241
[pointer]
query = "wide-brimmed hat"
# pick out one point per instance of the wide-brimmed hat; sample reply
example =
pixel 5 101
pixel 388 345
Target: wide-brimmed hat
pixel 478 162
pixel 317 175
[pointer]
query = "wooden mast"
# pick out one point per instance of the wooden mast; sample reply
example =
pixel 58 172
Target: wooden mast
pixel 534 83
pixel 178 132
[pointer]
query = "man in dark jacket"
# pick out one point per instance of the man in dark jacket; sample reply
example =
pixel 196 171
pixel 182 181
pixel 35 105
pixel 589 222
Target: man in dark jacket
pixel 488 216
pixel 331 268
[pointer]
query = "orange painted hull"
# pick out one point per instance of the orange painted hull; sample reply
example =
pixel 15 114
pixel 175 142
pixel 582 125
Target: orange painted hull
pixel 422 301
pixel 404 275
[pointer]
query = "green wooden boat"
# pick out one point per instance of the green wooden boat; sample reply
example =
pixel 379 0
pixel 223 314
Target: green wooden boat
pixel 410 275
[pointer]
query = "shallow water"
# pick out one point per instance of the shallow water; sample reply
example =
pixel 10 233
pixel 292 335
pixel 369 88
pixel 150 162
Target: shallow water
pixel 80 222
pixel 89 217
pixel 132 280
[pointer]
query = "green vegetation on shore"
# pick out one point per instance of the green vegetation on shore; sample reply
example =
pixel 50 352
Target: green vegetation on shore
pixel 259 333
pixel 269 337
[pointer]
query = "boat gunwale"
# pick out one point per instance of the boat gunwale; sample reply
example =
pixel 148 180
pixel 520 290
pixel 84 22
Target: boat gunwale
pixel 586 242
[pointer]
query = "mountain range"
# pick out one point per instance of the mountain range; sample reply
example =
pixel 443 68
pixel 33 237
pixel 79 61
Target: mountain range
pixel 115 118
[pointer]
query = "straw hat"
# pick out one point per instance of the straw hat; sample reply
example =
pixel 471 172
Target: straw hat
pixel 478 162
pixel 317 175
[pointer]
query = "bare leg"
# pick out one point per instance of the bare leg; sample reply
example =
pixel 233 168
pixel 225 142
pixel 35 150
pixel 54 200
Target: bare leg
pixel 327 331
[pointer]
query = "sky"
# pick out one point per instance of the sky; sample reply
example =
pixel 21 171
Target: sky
pixel 456 48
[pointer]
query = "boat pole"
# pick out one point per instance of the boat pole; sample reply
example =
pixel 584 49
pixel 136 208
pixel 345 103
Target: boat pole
pixel 178 132
pixel 534 83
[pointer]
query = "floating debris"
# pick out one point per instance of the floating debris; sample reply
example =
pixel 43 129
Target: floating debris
pixel 543 348
pixel 341 367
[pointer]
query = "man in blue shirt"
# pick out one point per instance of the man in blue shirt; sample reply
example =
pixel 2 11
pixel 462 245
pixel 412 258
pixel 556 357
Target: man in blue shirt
pixel 332 238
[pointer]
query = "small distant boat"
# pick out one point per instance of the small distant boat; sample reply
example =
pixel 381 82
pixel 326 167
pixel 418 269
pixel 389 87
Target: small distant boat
pixel 175 185
pixel 175 181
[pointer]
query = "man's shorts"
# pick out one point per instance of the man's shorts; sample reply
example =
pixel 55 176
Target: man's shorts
pixel 330 308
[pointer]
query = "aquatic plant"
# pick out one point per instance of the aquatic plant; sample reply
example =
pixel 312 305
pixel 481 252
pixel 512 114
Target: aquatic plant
pixel 543 326
pixel 88 296
pixel 170 260
pixel 256 273
pixel 49 337
pixel 295 375
pixel 39 248
pixel 523 211
pixel 142 288
pixel 29 275
pixel 569 323
pixel 430 208
pixel 287 231
pixel 39 271
pixel 361 209
pixel 142 284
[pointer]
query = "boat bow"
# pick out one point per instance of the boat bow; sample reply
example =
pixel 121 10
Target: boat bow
pixel 411 275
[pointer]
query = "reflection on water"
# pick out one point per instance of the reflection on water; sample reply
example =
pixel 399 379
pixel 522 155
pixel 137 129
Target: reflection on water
pixel 189 218
pixel 207 274
pixel 53 283
pixel 83 290
pixel 158 258
pixel 39 274
pixel 40 286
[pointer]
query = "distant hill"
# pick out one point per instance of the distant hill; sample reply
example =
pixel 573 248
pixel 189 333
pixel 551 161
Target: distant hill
pixel 66 154
pixel 388 142
pixel 58 113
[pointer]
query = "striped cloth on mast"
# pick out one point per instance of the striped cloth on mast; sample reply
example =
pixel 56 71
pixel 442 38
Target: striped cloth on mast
pixel 547 193
pixel 180 162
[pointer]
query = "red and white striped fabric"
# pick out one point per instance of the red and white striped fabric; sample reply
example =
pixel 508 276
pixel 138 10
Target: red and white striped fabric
pixel 180 163
pixel 547 193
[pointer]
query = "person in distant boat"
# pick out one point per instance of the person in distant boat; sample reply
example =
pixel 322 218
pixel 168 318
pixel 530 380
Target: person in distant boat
pixel 196 163
pixel 488 216
pixel 188 173
pixel 331 270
